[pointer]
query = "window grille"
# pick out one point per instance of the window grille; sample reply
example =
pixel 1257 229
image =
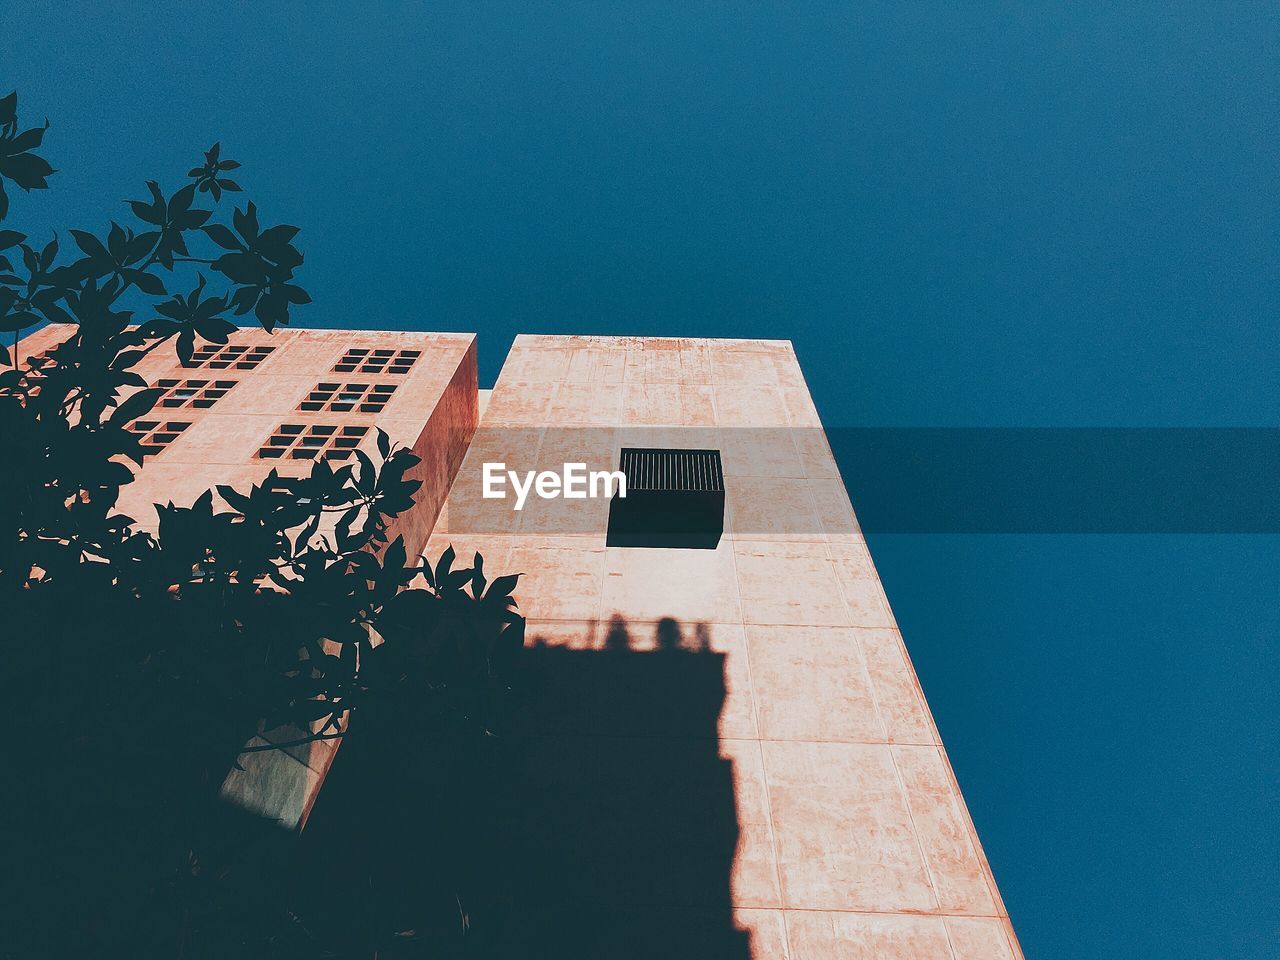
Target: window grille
pixel 234 356
pixel 365 360
pixel 199 394
pixel 345 397
pixel 155 435
pixel 298 441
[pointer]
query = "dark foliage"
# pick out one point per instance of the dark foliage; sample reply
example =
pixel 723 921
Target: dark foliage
pixel 18 164
pixel 138 666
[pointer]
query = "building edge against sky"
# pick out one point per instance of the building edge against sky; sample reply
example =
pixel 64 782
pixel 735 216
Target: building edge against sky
pixel 851 836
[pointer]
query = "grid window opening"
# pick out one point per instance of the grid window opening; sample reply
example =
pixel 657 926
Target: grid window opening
pixel 154 435
pixel 296 441
pixel 347 397
pixel 234 356
pixel 364 360
pixel 200 394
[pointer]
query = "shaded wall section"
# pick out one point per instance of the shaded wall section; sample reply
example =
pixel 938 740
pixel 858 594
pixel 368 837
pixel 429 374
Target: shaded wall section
pixel 851 836
pixel 548 840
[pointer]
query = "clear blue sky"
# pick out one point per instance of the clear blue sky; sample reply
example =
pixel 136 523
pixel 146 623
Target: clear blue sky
pixel 963 214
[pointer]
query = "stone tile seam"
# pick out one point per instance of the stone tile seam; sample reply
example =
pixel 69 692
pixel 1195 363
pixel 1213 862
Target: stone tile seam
pixel 774 844
pixel 915 832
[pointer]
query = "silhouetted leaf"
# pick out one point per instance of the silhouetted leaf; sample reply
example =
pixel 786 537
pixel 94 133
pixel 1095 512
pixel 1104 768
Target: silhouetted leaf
pixel 241 267
pixel 48 253
pixel 139 246
pixel 244 299
pixel 295 294
pixel 272 309
pixel 136 406
pixel 222 237
pixel 146 282
pixel 445 564
pixel 215 329
pixel 54 313
pixel 117 240
pixel 235 499
pixel 180 202
pixel 26 170
pixel 503 586
pixel 186 346
pixel 392 564
pixel 18 320
pixel 147 212
pixel 28 139
pixel 246 222
pixel 91 246
pixel 276 238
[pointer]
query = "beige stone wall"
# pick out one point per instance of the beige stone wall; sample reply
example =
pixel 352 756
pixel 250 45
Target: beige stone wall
pixel 852 838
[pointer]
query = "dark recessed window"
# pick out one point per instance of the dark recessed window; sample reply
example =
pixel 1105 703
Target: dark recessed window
pixel 199 394
pixel 675 498
pixel 232 356
pixel 366 360
pixel 155 435
pixel 298 441
pixel 348 397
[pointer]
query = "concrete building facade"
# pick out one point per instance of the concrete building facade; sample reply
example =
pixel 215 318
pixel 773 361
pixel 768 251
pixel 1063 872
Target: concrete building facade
pixel 726 751
pixel 849 835
pixel 278 400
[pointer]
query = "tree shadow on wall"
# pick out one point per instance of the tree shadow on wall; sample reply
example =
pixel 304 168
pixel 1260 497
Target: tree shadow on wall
pixel 601 823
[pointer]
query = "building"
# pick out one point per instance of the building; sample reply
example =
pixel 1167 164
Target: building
pixel 275 402
pixel 726 751
pixel 747 755
pixel 278 400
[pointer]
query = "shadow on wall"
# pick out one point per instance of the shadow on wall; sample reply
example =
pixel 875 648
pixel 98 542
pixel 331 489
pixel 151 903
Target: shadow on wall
pixel 601 823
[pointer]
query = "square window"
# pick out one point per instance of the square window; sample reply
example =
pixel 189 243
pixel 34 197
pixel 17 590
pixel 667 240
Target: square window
pixel 376 360
pixel 155 435
pixel 238 355
pixel 331 441
pixel 348 397
pixel 200 394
